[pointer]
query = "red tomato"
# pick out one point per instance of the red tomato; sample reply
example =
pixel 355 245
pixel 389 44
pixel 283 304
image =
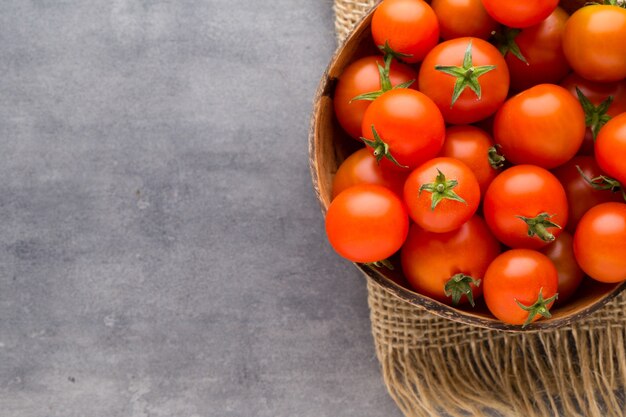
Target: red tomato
pixel 520 286
pixel 441 194
pixel 611 148
pixel 594 42
pixel 409 126
pixel 361 168
pixel 446 266
pixel 543 126
pixel 525 207
pixel 366 223
pixel 409 27
pixel 460 18
pixel 471 145
pixel 600 242
pixel 362 77
pixel 485 75
pixel 542 50
pixel 561 253
pixel 520 13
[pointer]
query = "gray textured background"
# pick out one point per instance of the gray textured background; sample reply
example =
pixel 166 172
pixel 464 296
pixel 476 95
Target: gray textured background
pixel 162 253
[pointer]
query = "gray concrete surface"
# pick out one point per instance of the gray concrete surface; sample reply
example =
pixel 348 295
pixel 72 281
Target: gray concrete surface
pixel 162 253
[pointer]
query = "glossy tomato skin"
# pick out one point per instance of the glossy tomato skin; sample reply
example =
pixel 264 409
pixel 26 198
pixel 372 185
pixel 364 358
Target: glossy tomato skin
pixel 439 86
pixel 610 148
pixel 410 123
pixel 600 242
pixel 430 259
pixel 519 274
pixel 461 18
pixel 561 253
pixel 543 126
pixel 449 214
pixel 362 77
pixel 594 42
pixel 520 13
pixel 541 46
pixel 408 26
pixel 366 223
pixel 361 168
pixel 470 145
pixel 527 191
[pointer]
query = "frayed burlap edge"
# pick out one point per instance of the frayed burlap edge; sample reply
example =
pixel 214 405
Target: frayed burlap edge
pixel 432 366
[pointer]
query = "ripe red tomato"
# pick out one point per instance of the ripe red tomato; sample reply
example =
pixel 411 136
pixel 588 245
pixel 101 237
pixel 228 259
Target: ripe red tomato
pixel 361 168
pixel 484 73
pixel 408 27
pixel 409 126
pixel 561 253
pixel 459 18
pixel 594 42
pixel 611 148
pixel 362 77
pixel 471 145
pixel 543 126
pixel 600 242
pixel 441 194
pixel 447 266
pixel 520 13
pixel 525 207
pixel 366 223
pixel 520 286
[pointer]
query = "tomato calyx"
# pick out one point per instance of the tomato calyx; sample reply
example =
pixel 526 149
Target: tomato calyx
pixel 618 3
pixel 441 189
pixel 385 263
pixel 506 43
pixel 458 285
pixel 496 159
pixel 381 149
pixel 385 82
pixel 539 307
pixel 389 51
pixel 538 226
pixel 603 183
pixel 466 75
pixel 595 116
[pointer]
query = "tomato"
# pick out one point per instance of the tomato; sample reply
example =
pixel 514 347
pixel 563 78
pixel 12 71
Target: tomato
pixel 561 253
pixel 361 168
pixel 611 148
pixel 580 194
pixel 366 223
pixel 600 242
pixel 408 27
pixel 362 77
pixel 459 18
pixel 543 126
pixel 449 266
pixel 594 42
pixel 541 48
pixel 525 207
pixel 441 194
pixel 471 145
pixel 520 286
pixel 520 13
pixel 484 79
pixel 403 125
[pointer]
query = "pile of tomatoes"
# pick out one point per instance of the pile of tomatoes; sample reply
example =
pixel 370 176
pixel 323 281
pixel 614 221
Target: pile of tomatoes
pixel 494 156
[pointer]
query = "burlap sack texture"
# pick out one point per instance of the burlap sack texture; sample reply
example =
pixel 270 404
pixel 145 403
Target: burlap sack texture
pixel 432 366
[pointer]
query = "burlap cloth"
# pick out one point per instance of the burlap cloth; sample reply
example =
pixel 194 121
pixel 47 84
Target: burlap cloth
pixel 432 366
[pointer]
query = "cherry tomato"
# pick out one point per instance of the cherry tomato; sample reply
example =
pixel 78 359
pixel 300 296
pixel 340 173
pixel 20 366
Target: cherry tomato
pixel 460 18
pixel 476 63
pixel 543 126
pixel 600 242
pixel 361 168
pixel 520 286
pixel 441 194
pixel 520 13
pixel 409 27
pixel 611 148
pixel 541 48
pixel 403 125
pixel 594 42
pixel 448 266
pixel 362 77
pixel 525 207
pixel 366 223
pixel 561 253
